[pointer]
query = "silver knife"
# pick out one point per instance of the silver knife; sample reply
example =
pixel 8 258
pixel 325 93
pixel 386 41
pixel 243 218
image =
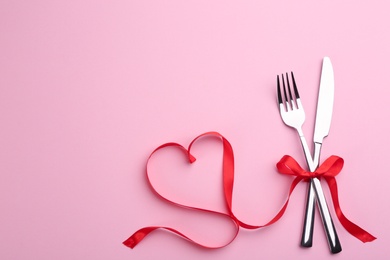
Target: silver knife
pixel 321 130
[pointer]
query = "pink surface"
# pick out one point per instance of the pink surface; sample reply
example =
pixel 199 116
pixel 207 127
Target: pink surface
pixel 89 88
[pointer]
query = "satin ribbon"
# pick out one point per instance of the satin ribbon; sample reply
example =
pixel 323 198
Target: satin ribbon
pixel 287 165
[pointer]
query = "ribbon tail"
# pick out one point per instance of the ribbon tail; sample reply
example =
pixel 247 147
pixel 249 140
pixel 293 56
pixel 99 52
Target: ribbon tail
pixel 351 227
pixel 138 236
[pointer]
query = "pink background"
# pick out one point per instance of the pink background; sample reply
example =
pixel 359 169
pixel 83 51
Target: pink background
pixel 89 88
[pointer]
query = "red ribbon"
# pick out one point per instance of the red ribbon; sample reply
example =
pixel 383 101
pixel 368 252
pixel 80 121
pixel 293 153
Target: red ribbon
pixel 287 165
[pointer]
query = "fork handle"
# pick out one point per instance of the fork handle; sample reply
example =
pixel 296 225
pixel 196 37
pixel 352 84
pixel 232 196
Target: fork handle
pixel 307 233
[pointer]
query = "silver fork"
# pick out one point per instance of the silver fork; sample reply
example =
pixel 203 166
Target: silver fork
pixel 293 115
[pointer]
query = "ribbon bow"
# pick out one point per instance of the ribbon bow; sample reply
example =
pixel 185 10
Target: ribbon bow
pixel 328 170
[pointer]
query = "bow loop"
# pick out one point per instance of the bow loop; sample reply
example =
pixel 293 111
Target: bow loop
pixel 330 168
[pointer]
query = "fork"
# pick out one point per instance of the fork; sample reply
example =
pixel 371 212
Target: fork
pixel 293 115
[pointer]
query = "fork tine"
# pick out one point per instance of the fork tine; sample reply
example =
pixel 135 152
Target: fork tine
pixel 279 93
pixel 285 93
pixel 289 89
pixel 295 86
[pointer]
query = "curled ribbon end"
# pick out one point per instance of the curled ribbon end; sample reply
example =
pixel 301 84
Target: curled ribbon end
pixel 192 158
pixel 138 236
pixel 368 238
pixel 130 242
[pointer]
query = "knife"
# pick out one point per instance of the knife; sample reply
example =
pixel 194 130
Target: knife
pixel 321 130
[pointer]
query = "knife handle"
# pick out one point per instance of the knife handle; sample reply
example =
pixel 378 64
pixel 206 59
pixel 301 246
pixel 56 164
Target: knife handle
pixel 331 234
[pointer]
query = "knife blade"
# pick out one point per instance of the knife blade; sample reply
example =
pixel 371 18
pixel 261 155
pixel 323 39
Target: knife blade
pixel 321 130
pixel 325 102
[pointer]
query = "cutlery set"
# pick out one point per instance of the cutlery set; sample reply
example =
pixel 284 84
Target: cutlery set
pixel 293 115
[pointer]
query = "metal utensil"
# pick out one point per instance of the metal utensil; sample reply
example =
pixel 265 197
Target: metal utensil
pixel 293 115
